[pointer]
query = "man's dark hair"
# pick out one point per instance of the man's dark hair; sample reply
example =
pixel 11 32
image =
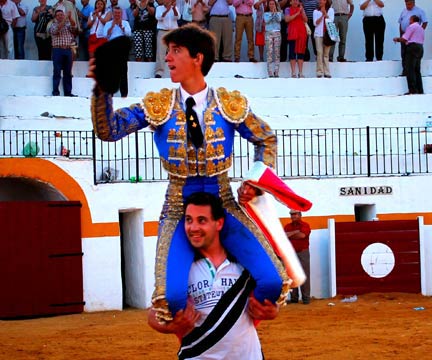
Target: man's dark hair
pixel 196 40
pixel 203 199
pixel 415 18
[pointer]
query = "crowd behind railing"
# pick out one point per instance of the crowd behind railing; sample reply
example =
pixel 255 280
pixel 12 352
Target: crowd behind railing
pixel 279 29
pixel 311 153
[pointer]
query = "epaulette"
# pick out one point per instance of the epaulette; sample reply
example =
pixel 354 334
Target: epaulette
pixel 158 106
pixel 233 105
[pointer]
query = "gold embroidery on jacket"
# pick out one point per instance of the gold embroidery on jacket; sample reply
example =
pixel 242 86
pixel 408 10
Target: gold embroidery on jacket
pixel 232 104
pixel 158 106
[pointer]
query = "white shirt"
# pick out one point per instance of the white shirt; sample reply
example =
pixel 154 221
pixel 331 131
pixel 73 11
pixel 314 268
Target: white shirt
pixel 373 9
pixel 9 11
pixel 319 28
pixel 116 32
pixel 169 21
pixel 200 102
pixel 206 286
pixel 97 26
pixel 21 21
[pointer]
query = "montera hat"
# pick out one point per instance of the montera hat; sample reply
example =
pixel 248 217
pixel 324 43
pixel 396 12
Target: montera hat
pixel 109 60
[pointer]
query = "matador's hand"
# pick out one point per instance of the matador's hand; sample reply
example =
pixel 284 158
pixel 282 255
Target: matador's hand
pixel 246 193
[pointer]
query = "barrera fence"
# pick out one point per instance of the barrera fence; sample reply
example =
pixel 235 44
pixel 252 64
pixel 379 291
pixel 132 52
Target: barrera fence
pixel 337 152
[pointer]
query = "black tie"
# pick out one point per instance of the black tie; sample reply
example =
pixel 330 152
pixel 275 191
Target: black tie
pixel 193 125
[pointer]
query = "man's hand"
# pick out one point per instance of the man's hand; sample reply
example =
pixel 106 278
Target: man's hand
pixel 262 311
pixel 91 69
pixel 182 324
pixel 246 193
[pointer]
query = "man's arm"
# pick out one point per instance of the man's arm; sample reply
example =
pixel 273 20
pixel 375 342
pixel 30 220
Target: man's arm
pixel 295 235
pixel 182 324
pixel 259 133
pixel 110 125
pixel 351 6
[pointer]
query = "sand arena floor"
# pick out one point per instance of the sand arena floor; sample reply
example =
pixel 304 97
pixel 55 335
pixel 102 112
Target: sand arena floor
pixel 376 326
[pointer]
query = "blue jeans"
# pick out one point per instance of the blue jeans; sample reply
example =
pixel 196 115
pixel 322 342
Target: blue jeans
pixel 62 60
pixel 19 40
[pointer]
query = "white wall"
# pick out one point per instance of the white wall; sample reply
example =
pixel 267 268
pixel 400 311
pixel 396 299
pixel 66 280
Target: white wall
pixel 102 272
pixel 355 42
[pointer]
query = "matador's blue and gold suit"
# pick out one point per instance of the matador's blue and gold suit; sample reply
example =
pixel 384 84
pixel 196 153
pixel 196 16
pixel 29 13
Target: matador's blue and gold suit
pixel 191 170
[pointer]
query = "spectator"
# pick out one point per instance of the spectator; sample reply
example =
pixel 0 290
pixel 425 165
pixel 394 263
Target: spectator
pixel 19 29
pixel 185 9
pixel 260 27
pixel 413 38
pixel 10 14
pixel 63 31
pixel 96 23
pixel 131 20
pixel 41 16
pixel 309 7
pixel 295 17
pixel 343 10
pixel 298 232
pixel 404 21
pixel 200 11
pixel 130 17
pixel 272 18
pixel 143 31
pixel 166 16
pixel 373 28
pixel 244 23
pixel 221 25
pixel 69 7
pixel 111 7
pixel 284 4
pixel 84 15
pixel 218 322
pixel 113 29
pixel 323 11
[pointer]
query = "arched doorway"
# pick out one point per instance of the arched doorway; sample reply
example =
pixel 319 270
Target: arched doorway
pixel 40 250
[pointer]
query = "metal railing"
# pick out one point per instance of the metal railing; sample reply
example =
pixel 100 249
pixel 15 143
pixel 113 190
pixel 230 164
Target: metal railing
pixel 314 153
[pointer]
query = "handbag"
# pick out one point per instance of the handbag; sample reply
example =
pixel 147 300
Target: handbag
pixel 332 30
pixel 327 41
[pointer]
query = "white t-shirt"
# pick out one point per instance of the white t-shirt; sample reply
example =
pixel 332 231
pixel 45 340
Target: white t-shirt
pixel 206 286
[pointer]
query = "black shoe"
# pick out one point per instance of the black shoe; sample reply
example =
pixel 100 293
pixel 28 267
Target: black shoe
pixel 157 76
pixel 292 302
pixel 253 60
pixel 306 302
pixel 55 93
pixel 71 95
pixel 341 59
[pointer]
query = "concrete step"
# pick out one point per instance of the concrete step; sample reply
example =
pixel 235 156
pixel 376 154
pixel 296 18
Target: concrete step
pixel 223 70
pixel 61 113
pixel 260 88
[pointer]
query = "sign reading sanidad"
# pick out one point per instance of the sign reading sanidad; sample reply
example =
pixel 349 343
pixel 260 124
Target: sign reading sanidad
pixel 365 190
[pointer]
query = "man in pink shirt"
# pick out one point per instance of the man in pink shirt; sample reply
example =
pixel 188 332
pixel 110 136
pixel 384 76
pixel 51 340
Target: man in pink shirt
pixel 413 38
